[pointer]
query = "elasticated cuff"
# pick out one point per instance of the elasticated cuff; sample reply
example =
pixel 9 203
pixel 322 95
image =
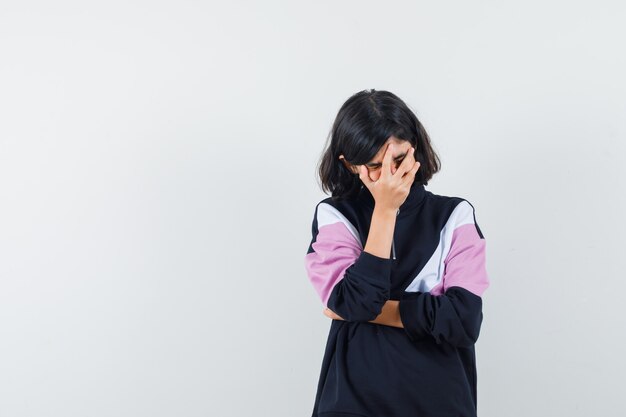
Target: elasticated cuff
pixel 411 306
pixel 372 266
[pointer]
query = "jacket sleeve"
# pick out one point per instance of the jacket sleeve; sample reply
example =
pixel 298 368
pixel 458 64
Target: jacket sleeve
pixel 455 314
pixel 353 283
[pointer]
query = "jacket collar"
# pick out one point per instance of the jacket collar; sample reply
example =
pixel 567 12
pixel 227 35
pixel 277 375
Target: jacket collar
pixel 414 199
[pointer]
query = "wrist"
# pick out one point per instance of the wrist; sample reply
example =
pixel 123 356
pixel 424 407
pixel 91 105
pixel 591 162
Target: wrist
pixel 387 212
pixel 394 313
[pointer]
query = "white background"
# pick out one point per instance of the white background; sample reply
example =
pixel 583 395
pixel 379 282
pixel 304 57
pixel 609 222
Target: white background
pixel 157 187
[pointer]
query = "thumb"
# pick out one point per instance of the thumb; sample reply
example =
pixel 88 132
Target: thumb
pixel 364 175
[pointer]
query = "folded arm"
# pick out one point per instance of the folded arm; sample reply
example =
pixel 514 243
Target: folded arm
pixel 454 316
pixel 352 282
pixel 389 316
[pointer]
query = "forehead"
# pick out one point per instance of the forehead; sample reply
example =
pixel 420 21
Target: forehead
pixel 401 146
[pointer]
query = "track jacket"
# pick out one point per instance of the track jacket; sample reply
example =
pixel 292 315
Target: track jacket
pixel 437 270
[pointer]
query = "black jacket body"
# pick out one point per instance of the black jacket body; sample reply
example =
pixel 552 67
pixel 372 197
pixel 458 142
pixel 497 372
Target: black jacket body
pixel 437 271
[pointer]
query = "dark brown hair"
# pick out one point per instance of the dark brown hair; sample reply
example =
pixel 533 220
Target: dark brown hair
pixel 363 124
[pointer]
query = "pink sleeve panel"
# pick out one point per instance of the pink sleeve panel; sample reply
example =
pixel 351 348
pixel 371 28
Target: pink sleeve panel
pixel 334 250
pixel 465 264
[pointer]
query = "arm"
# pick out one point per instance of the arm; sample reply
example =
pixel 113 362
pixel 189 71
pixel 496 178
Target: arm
pixel 389 316
pixel 456 315
pixel 380 234
pixel 351 281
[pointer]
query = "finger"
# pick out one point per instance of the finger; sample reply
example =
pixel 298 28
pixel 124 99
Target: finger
pixel 407 162
pixel 386 167
pixel 333 315
pixel 409 178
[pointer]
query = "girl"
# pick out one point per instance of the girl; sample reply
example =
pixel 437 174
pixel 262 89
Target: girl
pixel 399 269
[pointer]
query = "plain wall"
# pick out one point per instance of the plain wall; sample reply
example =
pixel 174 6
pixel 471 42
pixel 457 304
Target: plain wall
pixel 157 187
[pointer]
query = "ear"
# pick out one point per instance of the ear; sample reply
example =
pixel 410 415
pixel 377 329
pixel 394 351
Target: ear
pixel 348 165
